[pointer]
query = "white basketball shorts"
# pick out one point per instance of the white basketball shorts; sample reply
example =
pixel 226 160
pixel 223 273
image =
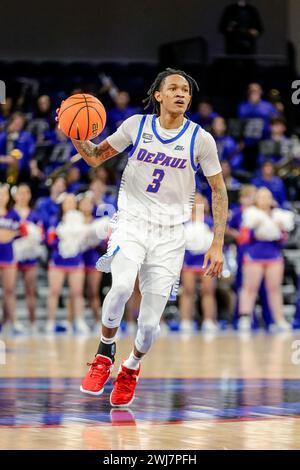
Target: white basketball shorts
pixel 158 251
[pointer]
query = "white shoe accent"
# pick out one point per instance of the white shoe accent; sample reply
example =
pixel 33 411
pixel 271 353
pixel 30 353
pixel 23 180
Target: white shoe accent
pixel 244 324
pixel 187 327
pixel 50 327
pixel 88 392
pixel 209 326
pixel 6 329
pixel 33 329
pixel 97 327
pixel 17 328
pixel 164 329
pixel 281 326
pixel 81 327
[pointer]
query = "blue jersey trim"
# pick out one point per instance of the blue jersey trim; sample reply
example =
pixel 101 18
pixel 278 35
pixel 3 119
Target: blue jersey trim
pixel 168 141
pixel 194 166
pixel 142 123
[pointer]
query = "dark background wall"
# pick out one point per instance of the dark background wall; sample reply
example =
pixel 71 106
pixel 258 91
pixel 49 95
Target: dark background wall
pixel 123 30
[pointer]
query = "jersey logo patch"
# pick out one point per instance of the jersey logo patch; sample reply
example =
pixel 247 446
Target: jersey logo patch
pixel 147 137
pixel 179 147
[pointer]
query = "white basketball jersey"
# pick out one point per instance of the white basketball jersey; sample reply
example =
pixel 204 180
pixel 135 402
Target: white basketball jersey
pixel 158 183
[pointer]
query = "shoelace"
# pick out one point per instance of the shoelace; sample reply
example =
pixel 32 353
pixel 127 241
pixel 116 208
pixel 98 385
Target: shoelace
pixel 124 380
pixel 96 368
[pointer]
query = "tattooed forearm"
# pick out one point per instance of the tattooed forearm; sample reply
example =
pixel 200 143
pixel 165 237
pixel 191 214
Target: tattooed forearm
pixel 93 154
pixel 219 206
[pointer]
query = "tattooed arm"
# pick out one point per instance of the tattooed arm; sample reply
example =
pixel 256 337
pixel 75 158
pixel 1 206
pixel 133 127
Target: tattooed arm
pixel 93 154
pixel 219 206
pixel 220 213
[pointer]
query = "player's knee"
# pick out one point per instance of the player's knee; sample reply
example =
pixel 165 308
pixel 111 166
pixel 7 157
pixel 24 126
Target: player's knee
pixel 122 290
pixel 146 335
pixel 111 321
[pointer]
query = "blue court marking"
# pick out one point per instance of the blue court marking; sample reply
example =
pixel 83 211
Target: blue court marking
pixel 55 402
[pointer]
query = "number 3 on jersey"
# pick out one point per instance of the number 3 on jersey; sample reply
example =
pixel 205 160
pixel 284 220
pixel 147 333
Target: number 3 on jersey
pixel 158 177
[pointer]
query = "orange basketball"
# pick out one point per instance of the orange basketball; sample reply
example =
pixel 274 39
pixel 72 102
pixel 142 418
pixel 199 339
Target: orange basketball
pixel 82 117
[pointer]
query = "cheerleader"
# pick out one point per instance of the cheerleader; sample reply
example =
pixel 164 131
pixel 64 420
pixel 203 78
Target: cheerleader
pixel 66 262
pixel 267 228
pixel 27 249
pixel 9 230
pixel 240 236
pixel 90 257
pixel 199 236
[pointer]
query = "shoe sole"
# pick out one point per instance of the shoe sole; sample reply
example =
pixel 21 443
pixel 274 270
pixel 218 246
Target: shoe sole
pixel 88 392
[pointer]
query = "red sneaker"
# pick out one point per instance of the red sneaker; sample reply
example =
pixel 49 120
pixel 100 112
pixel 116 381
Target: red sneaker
pixel 124 386
pixel 97 376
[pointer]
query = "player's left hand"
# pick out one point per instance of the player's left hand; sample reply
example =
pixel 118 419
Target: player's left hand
pixel 213 261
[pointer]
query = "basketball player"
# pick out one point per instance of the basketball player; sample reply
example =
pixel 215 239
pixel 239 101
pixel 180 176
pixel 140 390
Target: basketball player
pixel 155 199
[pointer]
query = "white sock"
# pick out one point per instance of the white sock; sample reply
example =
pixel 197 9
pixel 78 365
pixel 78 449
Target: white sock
pixel 107 340
pixel 132 362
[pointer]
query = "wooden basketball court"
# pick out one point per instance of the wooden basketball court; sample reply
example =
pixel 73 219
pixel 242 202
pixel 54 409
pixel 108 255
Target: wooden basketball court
pixel 195 392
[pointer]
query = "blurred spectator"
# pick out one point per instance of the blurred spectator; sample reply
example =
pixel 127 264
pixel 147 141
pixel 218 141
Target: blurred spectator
pixel 101 173
pixel 44 110
pixel 277 147
pixel 231 182
pixel 16 150
pixel 276 100
pixel 274 184
pixel 93 277
pixel 5 112
pixel 62 149
pixel 122 111
pixel 48 207
pixel 28 265
pixel 204 115
pixel 9 230
pixel 256 108
pixel 227 147
pixel 241 25
pixel 73 180
pixel 43 119
pixel 267 229
pixel 257 114
pixel 237 232
pixel 66 263
pixel 246 199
